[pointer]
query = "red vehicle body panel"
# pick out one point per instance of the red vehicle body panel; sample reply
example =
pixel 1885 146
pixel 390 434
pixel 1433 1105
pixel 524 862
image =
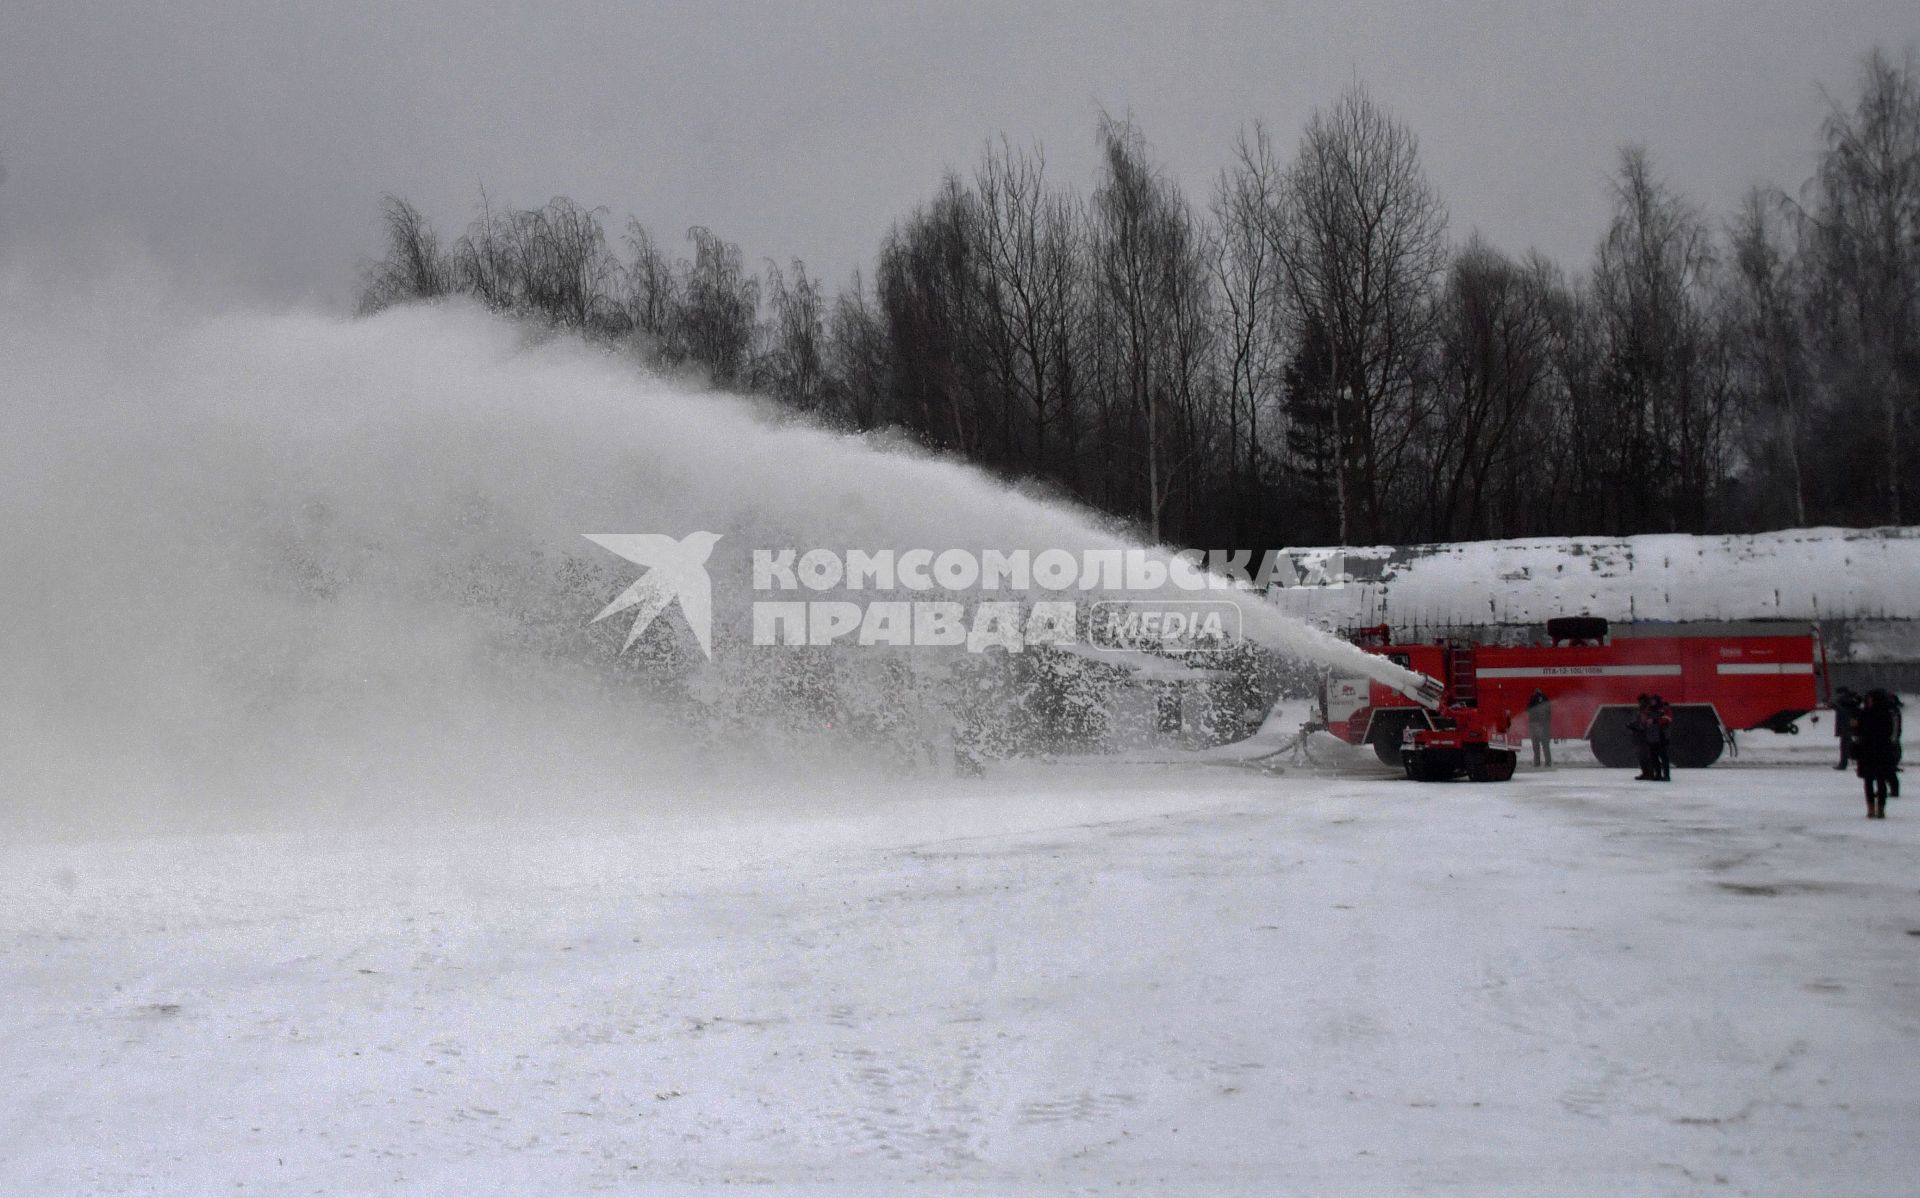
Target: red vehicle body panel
pixel 1748 680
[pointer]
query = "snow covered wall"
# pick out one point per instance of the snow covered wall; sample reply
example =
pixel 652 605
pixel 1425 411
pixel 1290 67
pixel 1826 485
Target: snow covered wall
pixel 1866 579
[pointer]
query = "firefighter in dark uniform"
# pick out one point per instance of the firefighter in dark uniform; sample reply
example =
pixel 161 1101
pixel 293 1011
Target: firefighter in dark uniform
pixel 1661 740
pixel 1653 733
pixel 1893 776
pixel 1639 727
pixel 1876 749
pixel 1540 728
pixel 1846 710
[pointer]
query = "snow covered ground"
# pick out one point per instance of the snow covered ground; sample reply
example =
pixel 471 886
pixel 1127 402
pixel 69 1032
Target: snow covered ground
pixel 1183 979
pixel 275 916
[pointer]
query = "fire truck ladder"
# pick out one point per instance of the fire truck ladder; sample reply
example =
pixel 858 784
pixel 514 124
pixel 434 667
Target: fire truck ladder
pixel 1463 677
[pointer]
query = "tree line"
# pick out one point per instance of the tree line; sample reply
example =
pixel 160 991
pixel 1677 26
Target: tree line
pixel 1305 355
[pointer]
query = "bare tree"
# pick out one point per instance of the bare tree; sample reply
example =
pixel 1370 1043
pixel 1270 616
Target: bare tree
pixel 1152 281
pixel 652 296
pixel 563 261
pixel 860 368
pixel 480 258
pixel 1189 375
pixel 721 302
pixel 1866 235
pixel 1493 360
pixel 1029 285
pixel 1665 370
pixel 550 261
pixel 794 366
pixel 1764 297
pixel 1250 320
pixel 413 267
pixel 927 290
pixel 1361 241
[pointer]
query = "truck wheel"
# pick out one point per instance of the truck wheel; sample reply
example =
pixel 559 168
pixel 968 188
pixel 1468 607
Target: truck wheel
pixel 1389 727
pixel 1491 765
pixel 1422 768
pixel 1697 740
pixel 1610 739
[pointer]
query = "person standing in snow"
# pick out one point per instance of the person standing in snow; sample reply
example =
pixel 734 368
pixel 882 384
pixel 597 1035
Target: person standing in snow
pixel 1540 728
pixel 1640 727
pixel 1846 710
pixel 1660 740
pixel 1890 703
pixel 1653 732
pixel 1876 749
pixel 1893 775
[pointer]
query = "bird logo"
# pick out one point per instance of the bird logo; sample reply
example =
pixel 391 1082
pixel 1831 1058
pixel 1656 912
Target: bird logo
pixel 676 569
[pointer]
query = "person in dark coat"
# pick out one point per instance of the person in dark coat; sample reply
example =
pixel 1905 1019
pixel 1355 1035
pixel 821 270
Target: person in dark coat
pixel 1540 728
pixel 1660 739
pixel 1876 749
pixel 1893 779
pixel 1640 727
pixel 1846 709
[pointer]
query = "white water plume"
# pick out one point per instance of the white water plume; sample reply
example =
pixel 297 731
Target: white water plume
pixel 263 556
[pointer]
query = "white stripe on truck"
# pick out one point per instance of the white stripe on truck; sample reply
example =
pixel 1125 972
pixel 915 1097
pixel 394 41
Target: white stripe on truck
pixel 1657 671
pixel 1766 667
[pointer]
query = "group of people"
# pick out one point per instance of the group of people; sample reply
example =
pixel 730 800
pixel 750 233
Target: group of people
pixel 1651 727
pixel 1869 730
pixel 1652 731
pixel 1868 727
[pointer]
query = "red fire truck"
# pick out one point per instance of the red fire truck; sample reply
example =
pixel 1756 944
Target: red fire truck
pixel 1715 683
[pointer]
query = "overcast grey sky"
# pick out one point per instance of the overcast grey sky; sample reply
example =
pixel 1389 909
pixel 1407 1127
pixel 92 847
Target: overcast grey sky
pixel 250 141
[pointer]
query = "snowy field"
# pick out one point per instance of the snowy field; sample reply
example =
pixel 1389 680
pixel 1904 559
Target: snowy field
pixel 275 915
pixel 1177 980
